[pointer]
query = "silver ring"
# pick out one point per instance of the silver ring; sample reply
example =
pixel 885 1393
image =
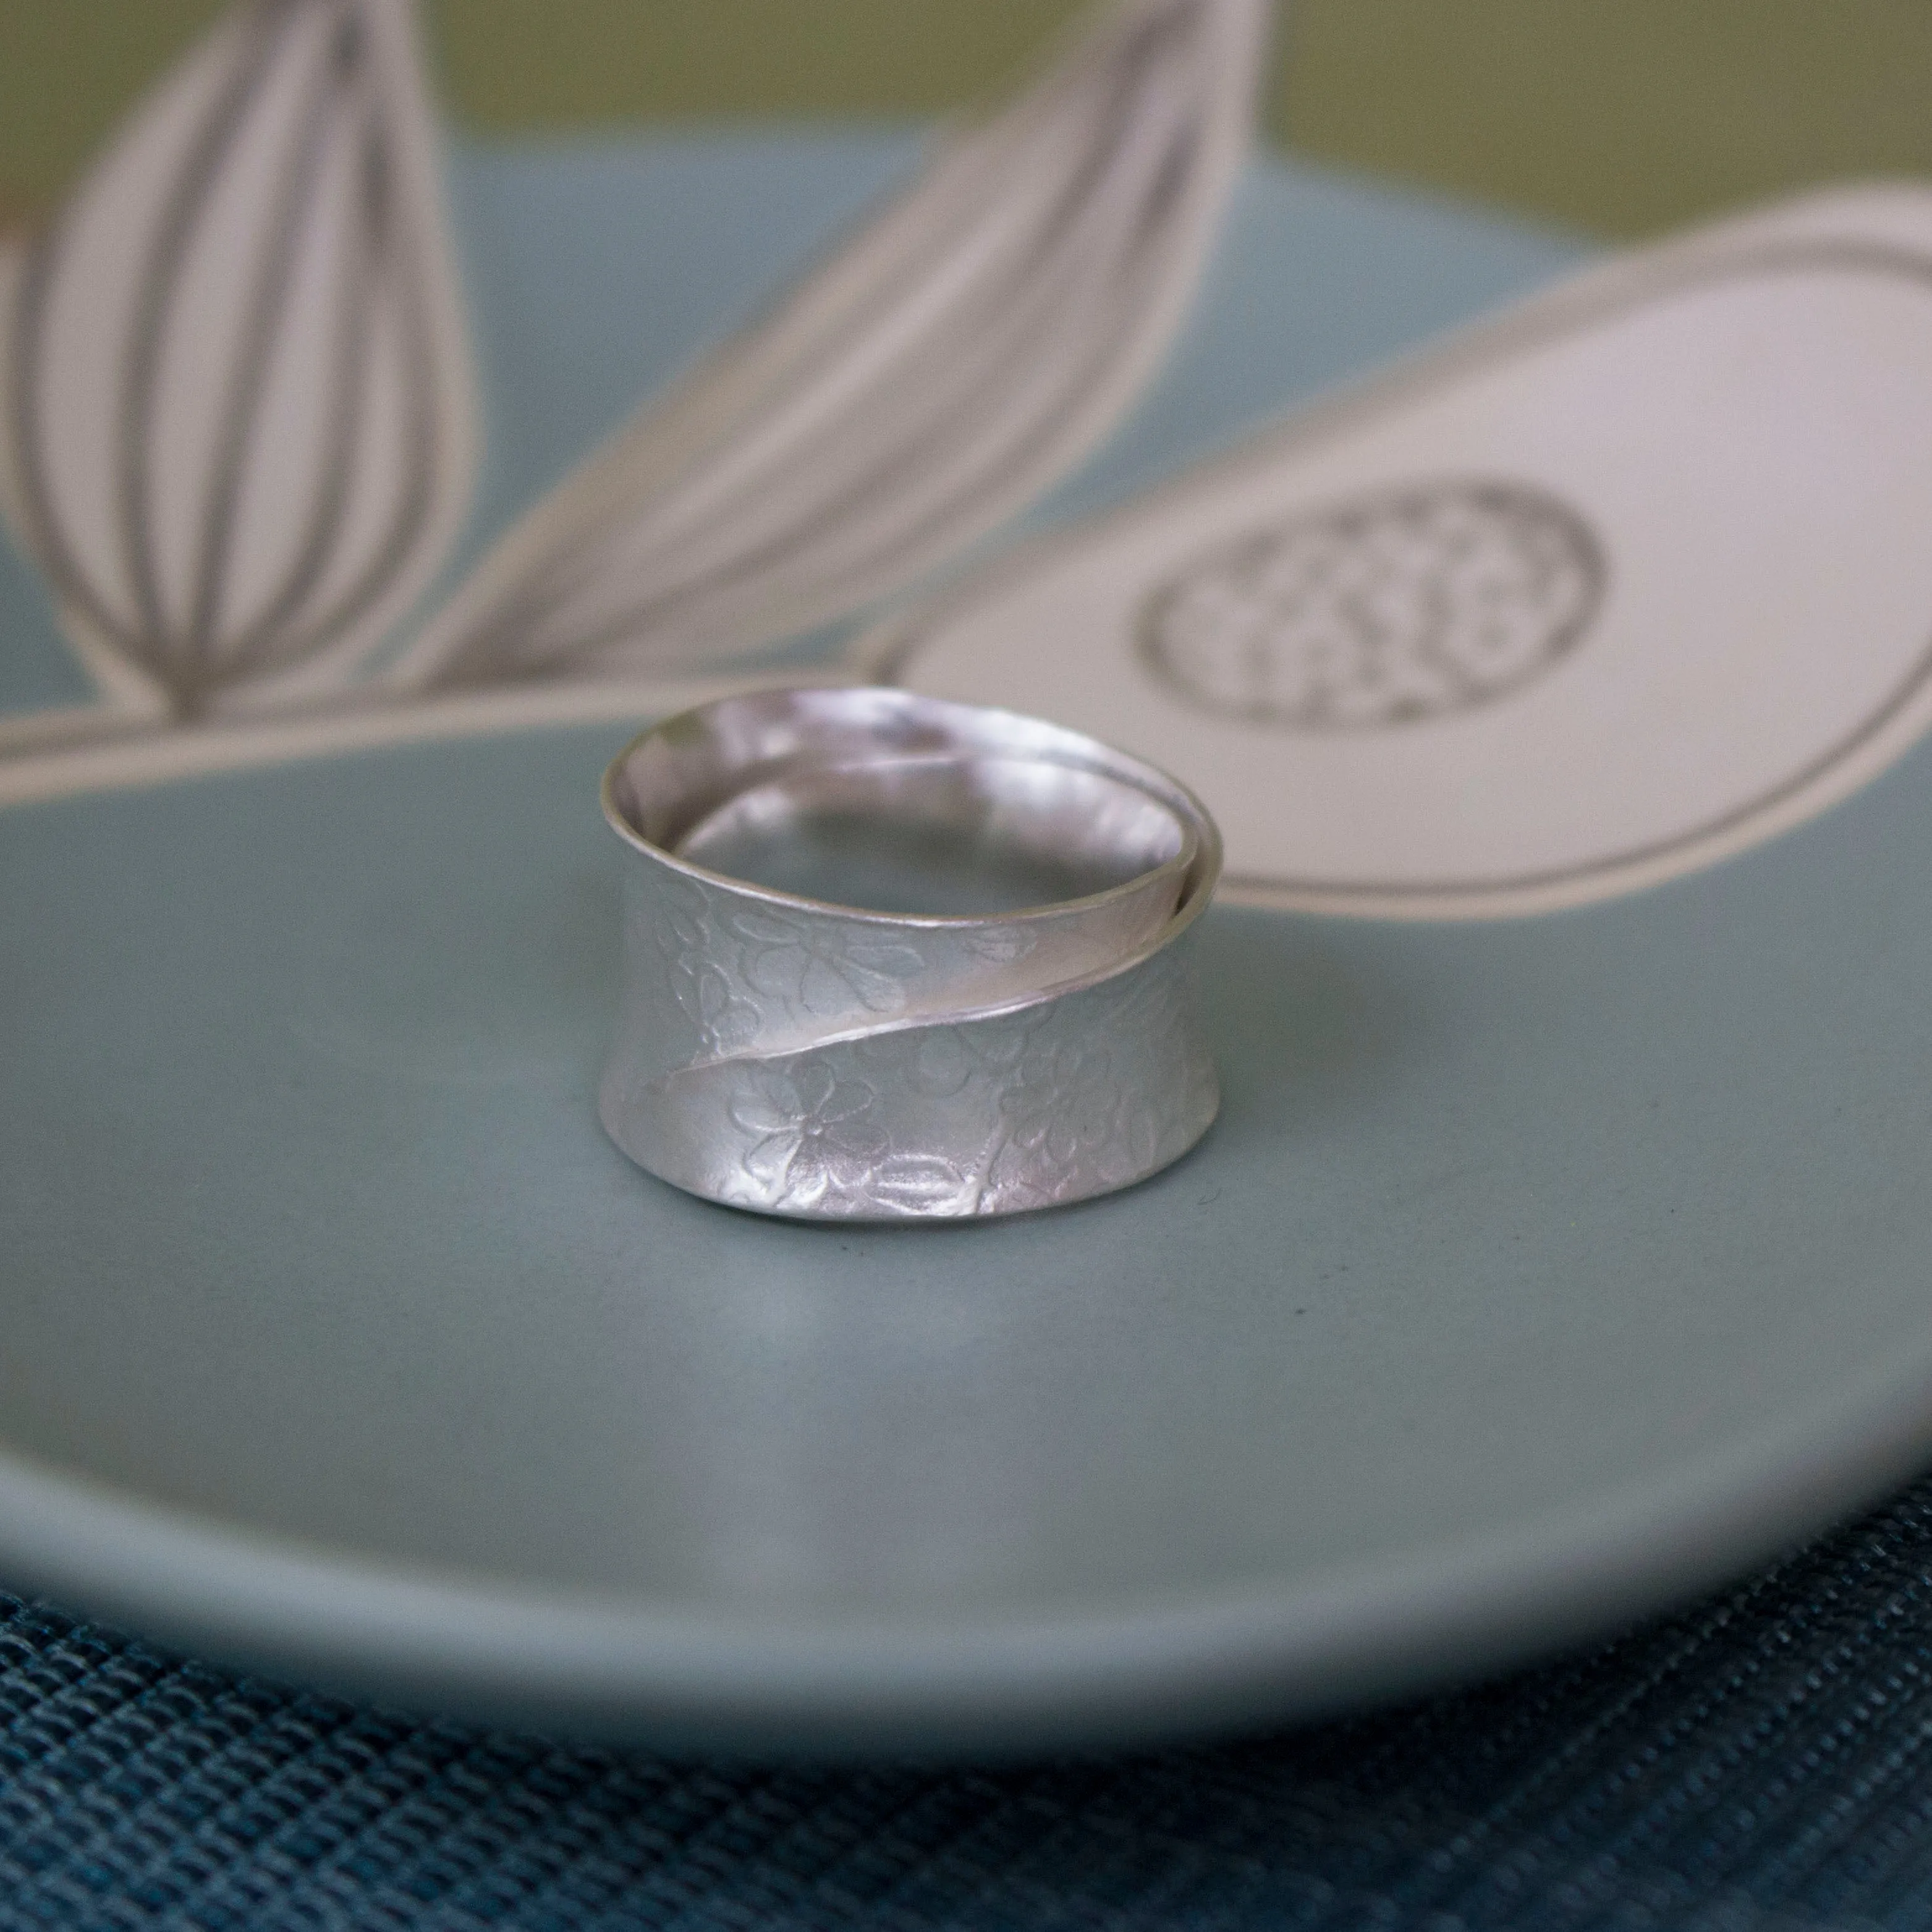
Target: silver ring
pixel 887 957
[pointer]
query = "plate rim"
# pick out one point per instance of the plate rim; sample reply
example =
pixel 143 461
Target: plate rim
pixel 604 1664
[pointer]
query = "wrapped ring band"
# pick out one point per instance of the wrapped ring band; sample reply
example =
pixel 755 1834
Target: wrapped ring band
pixel 1002 1022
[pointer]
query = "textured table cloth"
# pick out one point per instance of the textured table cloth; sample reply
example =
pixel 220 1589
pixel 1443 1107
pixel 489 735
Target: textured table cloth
pixel 1757 1762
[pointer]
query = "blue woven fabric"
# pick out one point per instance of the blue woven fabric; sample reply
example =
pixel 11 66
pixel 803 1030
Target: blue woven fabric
pixel 1757 1763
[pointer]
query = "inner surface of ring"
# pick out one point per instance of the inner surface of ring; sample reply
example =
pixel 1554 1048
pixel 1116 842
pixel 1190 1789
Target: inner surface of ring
pixel 937 835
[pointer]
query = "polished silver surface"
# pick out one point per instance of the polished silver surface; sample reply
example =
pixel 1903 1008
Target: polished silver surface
pixel 888 957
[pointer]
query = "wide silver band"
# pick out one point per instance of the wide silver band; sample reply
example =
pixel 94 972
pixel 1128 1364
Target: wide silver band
pixel 1008 1024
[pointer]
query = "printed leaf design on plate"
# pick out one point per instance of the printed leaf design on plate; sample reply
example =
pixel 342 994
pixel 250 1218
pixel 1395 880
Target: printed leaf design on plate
pixel 1386 609
pixel 965 349
pixel 238 424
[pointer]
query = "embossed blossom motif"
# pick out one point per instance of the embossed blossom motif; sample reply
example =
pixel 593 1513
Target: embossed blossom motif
pixel 1063 1100
pixel 815 1132
pixel 680 921
pixel 1096 1094
pixel 818 970
pixel 820 1139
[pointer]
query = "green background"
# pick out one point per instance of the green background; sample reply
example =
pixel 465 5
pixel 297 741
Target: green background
pixel 1618 116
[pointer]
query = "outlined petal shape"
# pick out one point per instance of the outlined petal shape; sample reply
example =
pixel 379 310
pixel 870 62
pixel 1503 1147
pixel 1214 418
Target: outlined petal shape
pixel 969 344
pixel 239 425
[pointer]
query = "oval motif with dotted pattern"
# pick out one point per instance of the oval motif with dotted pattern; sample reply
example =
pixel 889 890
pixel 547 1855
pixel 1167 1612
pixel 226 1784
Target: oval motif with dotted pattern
pixel 1385 610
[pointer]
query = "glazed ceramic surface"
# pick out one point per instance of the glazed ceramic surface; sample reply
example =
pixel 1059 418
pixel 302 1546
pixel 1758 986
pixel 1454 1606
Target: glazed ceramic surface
pixel 1537 1272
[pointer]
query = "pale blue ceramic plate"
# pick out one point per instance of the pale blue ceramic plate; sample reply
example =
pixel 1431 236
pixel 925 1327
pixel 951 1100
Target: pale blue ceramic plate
pixel 1537 1273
